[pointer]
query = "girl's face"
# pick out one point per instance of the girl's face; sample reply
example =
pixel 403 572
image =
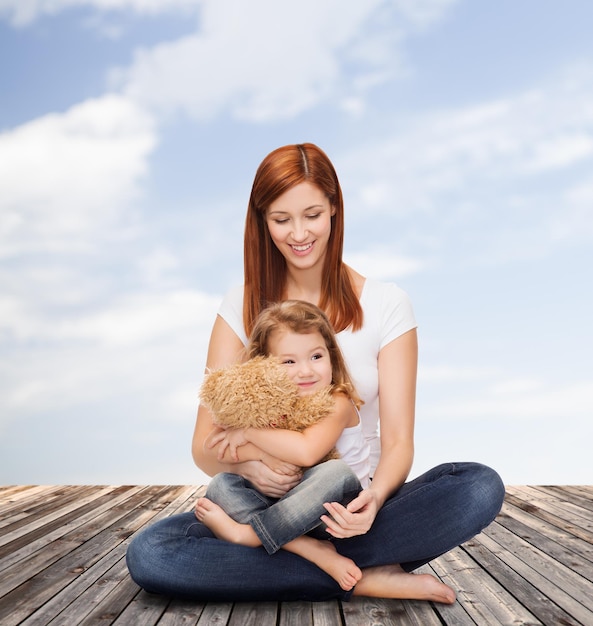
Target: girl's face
pixel 305 357
pixel 299 222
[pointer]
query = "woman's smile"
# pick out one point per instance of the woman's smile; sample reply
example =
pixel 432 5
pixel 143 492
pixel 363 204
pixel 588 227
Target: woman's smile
pixel 299 223
pixel 303 249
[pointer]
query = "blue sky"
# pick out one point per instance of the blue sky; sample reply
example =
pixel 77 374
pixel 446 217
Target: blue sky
pixel 130 131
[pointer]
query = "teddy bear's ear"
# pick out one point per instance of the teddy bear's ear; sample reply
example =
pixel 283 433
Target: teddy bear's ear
pixel 212 386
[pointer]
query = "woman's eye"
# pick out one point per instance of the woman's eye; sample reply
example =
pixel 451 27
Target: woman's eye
pixel 284 221
pixel 314 216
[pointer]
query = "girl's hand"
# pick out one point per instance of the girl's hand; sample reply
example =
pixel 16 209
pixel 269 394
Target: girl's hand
pixel 231 439
pixel 354 519
pixel 266 480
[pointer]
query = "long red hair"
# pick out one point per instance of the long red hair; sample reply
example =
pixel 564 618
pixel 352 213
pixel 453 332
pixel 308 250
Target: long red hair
pixel 264 265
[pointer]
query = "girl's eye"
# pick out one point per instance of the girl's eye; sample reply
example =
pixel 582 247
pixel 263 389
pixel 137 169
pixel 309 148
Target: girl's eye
pixel 288 362
pixel 316 357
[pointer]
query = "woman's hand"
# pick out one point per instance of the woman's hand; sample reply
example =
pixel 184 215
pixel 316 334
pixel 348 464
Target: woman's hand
pixel 271 483
pixel 354 519
pixel 281 467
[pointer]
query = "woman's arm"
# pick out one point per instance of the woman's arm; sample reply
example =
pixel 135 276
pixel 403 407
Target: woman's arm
pixel 304 448
pixel 225 349
pixel 398 366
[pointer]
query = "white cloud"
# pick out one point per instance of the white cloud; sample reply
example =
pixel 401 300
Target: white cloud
pixel 423 12
pixel 23 12
pixel 498 181
pixel 133 320
pixel 266 60
pixel 561 151
pixel 65 175
pixel 259 60
pixel 524 399
pixel 147 343
pixel 141 319
pixel 513 139
pixel 382 264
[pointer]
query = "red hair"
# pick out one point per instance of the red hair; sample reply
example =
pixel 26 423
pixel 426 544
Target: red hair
pixel 264 265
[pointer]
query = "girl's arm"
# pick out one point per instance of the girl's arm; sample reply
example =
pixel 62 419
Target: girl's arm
pixel 304 448
pixel 398 363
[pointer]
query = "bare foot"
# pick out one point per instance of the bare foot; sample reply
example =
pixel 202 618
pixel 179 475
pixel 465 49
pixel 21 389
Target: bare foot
pixel 224 526
pixel 390 581
pixel 323 553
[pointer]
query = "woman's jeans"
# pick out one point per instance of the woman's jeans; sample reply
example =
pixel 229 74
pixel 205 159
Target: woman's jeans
pixel 278 521
pixel 179 556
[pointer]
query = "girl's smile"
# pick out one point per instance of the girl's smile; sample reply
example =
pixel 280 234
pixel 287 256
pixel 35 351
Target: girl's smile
pixel 306 358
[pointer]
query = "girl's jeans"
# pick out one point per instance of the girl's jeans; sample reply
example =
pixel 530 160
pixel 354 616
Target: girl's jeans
pixel 428 516
pixel 278 521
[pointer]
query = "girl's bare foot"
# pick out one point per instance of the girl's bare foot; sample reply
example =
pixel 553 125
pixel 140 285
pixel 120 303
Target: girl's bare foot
pixel 391 581
pixel 223 526
pixel 323 553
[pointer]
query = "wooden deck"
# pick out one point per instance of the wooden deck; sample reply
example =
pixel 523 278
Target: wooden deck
pixel 62 562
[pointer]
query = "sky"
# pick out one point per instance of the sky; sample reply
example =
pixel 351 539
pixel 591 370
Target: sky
pixel 130 132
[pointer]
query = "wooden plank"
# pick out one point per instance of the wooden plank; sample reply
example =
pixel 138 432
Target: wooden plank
pixel 49 516
pixel 361 611
pixel 327 613
pixel 144 608
pixel 39 560
pixel 555 516
pixel 253 614
pixel 215 613
pixel 483 598
pixel 31 518
pixel 545 609
pixel 13 502
pixel 567 549
pixel 91 590
pixel 579 496
pixel 42 581
pixel 295 614
pixel 114 498
pixel 182 613
pixel 421 613
pixel 545 575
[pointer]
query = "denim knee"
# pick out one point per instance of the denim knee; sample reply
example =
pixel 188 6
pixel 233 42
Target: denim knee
pixel 221 483
pixel 488 492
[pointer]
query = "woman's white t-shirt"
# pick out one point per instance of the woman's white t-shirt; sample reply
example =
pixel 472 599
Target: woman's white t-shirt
pixel 387 314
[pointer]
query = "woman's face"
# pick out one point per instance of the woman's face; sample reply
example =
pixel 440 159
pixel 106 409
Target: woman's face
pixel 305 357
pixel 299 222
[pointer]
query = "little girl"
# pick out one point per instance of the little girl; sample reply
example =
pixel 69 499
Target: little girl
pixel 300 335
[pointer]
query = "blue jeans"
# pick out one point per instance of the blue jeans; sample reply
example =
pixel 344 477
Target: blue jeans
pixel 278 521
pixel 179 556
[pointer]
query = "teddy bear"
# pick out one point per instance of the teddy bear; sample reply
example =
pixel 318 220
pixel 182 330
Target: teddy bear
pixel 259 394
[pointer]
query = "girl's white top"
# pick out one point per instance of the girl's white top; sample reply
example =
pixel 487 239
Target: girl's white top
pixel 355 451
pixel 387 313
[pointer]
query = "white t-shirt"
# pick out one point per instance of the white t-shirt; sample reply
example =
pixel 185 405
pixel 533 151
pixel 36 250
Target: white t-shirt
pixel 387 313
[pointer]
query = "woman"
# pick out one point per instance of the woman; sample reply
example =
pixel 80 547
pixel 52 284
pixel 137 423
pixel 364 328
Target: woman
pixel 293 250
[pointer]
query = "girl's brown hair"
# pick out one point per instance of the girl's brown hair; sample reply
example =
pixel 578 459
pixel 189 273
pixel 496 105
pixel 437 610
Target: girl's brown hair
pixel 302 318
pixel 264 265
